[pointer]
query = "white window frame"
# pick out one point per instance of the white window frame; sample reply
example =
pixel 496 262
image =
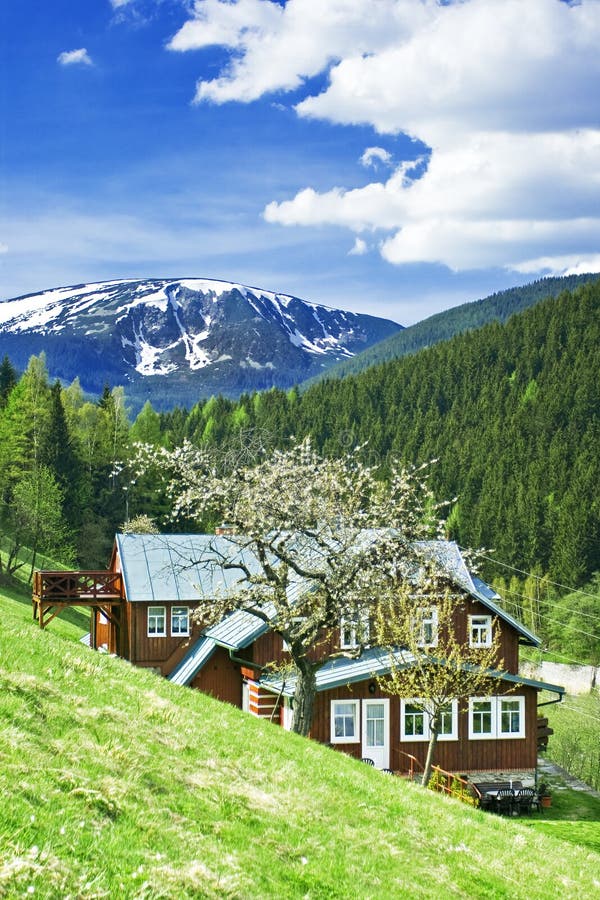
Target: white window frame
pixel 179 615
pixel 427 616
pixel 295 621
pixel 510 699
pixel 451 735
pixel 153 616
pixel 480 631
pixel 497 710
pixel 345 739
pixel 349 628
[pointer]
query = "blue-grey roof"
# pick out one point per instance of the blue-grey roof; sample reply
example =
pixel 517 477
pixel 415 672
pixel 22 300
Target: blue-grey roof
pixel 193 661
pixel 164 568
pixel 340 671
pixel 374 662
pixel 239 629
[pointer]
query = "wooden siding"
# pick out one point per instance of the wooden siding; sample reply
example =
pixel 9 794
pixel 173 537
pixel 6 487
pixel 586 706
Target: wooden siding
pixel 221 678
pixel 502 754
pixel 264 704
pixel 144 649
pixel 269 647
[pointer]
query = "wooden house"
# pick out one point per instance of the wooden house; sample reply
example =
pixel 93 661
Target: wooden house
pixel 142 610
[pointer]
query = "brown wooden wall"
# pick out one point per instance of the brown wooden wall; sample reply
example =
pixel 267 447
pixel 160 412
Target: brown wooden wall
pixel 269 647
pixel 221 678
pixel 508 754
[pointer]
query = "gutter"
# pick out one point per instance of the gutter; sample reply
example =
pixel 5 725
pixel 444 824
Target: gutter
pixel 550 702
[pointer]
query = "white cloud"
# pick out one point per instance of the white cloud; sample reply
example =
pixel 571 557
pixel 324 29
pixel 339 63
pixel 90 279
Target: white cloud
pixel 277 48
pixel 372 156
pixel 503 92
pixel 359 247
pixel 75 57
pixel 3 248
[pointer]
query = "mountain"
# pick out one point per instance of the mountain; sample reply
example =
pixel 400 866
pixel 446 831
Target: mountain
pixel 444 325
pixel 175 340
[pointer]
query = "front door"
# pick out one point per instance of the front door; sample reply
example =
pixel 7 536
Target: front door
pixel 376 732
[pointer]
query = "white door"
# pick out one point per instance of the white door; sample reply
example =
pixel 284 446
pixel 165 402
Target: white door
pixel 376 732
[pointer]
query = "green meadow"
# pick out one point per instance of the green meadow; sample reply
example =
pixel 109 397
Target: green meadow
pixel 115 783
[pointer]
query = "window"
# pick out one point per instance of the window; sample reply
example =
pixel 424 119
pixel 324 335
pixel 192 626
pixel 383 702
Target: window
pixel 511 715
pixel 296 620
pixel 353 632
pixel 427 626
pixel 480 631
pixel 496 717
pixel 414 724
pixel 415 721
pixel 481 718
pixel 344 722
pixel 180 620
pixel 157 619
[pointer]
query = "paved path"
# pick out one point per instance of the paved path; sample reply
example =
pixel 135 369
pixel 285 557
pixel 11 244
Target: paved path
pixel 546 767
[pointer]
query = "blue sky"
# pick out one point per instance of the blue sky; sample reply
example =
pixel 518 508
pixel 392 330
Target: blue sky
pixel 386 156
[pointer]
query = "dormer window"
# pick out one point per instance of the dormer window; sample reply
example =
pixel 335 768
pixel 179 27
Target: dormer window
pixel 427 626
pixel 353 633
pixel 480 631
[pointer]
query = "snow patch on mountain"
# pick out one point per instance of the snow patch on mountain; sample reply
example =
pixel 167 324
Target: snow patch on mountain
pixel 199 331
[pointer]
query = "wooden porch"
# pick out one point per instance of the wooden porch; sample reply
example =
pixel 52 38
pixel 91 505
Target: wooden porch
pixel 101 591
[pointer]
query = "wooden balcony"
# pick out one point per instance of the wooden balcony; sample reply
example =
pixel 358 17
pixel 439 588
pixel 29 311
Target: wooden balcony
pixel 53 591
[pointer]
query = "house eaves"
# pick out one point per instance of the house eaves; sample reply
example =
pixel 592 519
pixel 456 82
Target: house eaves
pixel 193 661
pixel 341 671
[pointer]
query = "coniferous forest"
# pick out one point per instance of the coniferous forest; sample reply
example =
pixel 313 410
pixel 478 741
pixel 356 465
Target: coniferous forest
pixel 509 412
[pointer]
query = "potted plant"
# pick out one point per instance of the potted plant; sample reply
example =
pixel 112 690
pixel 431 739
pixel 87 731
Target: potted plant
pixel 544 796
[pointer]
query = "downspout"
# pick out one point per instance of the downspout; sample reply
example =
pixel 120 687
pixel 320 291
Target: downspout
pixel 539 705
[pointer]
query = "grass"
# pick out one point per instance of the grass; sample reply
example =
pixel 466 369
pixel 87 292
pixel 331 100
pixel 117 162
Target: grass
pixel 575 744
pixel 117 783
pixel 71 623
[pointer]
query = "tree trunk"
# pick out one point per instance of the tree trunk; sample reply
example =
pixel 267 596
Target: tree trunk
pixel 304 697
pixel 430 750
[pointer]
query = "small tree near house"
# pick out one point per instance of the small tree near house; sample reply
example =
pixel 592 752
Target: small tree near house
pixel 424 616
pixel 313 542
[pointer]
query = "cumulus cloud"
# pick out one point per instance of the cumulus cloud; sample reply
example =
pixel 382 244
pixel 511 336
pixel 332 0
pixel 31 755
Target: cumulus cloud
pixel 75 57
pixel 503 93
pixel 373 156
pixel 359 248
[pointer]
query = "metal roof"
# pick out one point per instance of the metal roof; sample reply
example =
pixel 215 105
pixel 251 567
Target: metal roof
pixel 342 670
pixel 239 629
pixel 372 663
pixel 193 661
pixel 162 568
pixel 179 567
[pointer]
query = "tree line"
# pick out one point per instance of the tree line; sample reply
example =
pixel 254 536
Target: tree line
pixel 510 412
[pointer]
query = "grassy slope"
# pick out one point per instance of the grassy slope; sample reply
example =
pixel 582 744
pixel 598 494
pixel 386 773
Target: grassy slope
pixel 116 783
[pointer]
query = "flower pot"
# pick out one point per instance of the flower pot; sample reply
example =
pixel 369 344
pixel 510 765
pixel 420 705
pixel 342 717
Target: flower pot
pixel 545 802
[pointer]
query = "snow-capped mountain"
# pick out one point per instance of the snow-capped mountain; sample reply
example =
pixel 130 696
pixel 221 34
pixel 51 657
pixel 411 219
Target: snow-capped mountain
pixel 174 341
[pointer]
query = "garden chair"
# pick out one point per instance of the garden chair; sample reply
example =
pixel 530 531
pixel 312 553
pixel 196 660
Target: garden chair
pixel 505 800
pixel 368 761
pixel 524 800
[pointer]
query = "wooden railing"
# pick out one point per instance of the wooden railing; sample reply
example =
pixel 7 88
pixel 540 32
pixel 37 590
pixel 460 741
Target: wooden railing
pixel 454 786
pixel 414 766
pixel 74 587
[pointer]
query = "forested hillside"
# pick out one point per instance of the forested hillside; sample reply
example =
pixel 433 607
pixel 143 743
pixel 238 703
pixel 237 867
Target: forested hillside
pixel 510 412
pixel 444 325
